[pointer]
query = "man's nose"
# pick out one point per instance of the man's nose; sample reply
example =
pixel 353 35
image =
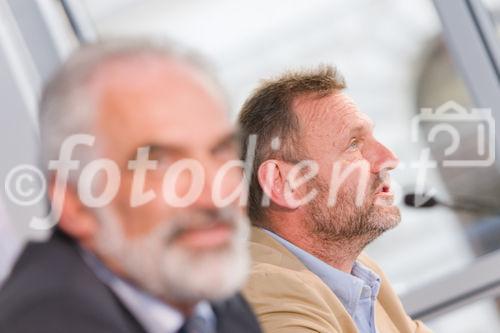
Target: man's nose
pixel 383 158
pixel 205 199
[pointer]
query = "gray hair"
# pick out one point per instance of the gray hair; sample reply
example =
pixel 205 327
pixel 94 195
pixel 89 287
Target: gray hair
pixel 67 107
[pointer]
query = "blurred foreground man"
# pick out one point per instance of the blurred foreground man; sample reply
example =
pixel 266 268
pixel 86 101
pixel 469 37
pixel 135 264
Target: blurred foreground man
pixel 311 217
pixel 151 258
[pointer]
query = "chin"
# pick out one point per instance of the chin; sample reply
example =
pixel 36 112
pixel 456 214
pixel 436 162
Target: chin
pixel 174 272
pixel 386 217
pixel 191 276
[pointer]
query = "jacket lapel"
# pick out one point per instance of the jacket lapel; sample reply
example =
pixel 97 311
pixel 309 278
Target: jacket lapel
pixel 235 315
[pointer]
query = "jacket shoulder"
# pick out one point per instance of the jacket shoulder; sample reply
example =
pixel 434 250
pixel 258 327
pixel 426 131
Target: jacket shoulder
pixel 52 312
pixel 51 289
pixel 287 300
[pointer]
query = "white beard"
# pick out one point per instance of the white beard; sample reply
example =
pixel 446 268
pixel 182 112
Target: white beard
pixel 172 272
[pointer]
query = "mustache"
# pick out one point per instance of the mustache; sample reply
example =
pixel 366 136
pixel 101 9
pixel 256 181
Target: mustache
pixel 380 179
pixel 200 219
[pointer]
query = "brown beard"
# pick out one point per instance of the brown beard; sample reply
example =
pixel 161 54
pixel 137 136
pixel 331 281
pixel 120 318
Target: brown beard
pixel 345 221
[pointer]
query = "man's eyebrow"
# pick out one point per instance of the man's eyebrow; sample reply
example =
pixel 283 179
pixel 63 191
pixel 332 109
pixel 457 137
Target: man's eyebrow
pixel 358 128
pixel 155 148
pixel 164 147
pixel 232 137
pixel 362 126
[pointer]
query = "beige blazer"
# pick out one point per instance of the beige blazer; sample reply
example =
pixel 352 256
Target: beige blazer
pixel 288 298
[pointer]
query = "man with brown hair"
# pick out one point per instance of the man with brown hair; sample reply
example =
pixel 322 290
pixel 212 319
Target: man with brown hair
pixel 319 193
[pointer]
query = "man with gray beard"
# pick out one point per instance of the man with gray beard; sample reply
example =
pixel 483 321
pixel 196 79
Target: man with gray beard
pixel 319 193
pixel 156 253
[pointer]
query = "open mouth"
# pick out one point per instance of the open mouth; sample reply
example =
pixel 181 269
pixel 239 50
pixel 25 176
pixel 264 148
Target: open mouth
pixel 385 189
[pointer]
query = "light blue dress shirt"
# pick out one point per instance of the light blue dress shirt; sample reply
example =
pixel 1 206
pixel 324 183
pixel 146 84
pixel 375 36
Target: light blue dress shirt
pixel 153 314
pixel 356 291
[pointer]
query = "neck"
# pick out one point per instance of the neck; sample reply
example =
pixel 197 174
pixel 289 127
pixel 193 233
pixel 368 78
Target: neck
pixel 338 253
pixel 184 308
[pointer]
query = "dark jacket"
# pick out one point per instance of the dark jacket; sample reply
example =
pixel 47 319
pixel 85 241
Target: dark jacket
pixel 52 290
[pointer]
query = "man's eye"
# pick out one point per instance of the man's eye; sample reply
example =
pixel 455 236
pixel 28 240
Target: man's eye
pixel 227 150
pixel 354 144
pixel 162 160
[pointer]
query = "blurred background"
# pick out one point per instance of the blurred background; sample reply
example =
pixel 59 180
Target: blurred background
pixel 397 56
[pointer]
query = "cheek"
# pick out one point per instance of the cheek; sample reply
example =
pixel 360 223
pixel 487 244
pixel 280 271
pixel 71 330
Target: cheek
pixel 140 221
pixel 348 178
pixel 229 183
pixel 182 183
pixel 143 218
pixel 164 183
pixel 350 185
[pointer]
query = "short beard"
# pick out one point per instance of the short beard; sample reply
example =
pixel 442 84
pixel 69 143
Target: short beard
pixel 347 223
pixel 171 272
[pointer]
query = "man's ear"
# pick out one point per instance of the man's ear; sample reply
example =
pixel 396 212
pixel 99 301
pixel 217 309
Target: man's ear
pixel 76 219
pixel 272 175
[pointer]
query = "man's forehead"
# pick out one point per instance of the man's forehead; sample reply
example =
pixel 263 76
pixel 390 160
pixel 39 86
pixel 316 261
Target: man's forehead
pixel 362 119
pixel 140 71
pixel 178 109
pixel 139 78
pixel 159 102
pixel 337 110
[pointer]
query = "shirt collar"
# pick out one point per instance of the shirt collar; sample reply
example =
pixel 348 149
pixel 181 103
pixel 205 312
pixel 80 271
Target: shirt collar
pixel 349 288
pixel 155 315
